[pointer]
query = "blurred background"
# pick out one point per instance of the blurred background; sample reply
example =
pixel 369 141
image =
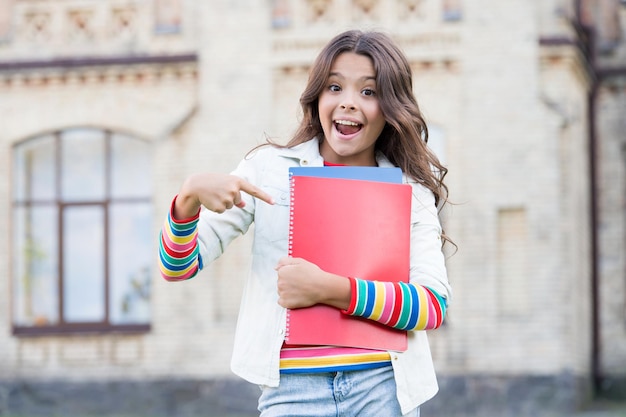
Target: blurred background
pixel 107 106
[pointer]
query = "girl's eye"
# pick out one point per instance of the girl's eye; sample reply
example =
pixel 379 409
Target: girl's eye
pixel 368 92
pixel 334 87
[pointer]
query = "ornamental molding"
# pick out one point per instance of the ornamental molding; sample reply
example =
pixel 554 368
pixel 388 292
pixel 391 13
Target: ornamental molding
pixel 47 75
pixel 424 47
pixel 39 28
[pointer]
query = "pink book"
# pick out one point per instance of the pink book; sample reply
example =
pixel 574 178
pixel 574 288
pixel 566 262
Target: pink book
pixel 353 228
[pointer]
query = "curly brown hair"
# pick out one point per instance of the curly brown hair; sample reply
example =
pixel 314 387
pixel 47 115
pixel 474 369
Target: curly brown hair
pixel 405 135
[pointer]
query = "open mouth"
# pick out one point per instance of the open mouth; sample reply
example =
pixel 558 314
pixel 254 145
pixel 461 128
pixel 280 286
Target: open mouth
pixel 347 127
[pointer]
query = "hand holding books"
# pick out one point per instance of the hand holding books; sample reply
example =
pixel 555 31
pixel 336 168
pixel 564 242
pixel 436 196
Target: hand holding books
pixel 303 284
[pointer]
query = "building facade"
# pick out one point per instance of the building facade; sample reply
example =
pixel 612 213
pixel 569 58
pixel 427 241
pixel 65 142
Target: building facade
pixel 106 107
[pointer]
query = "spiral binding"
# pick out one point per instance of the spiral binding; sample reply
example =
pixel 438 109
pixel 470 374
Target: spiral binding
pixel 291 203
pixel 292 187
pixel 287 327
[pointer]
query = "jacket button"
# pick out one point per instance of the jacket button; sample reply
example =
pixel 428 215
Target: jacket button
pixel 305 162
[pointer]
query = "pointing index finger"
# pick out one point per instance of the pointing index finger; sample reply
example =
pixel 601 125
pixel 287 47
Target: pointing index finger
pixel 255 191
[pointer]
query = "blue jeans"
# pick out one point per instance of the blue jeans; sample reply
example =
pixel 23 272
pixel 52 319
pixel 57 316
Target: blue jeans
pixel 367 393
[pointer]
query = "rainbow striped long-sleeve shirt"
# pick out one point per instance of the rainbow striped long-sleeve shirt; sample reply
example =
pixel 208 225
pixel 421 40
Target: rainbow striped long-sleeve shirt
pixel 403 306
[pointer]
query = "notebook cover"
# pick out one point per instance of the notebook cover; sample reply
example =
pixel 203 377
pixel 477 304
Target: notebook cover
pixel 352 228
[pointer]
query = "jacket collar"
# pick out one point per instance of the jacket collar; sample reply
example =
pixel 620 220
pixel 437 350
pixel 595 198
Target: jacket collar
pixel 308 154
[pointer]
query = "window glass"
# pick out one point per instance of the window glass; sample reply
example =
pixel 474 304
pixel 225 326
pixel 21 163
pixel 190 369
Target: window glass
pixel 35 174
pixel 35 265
pixel 83 165
pixel 130 167
pixel 83 264
pixel 131 256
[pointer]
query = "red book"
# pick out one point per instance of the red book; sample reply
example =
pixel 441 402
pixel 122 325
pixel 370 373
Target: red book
pixel 353 228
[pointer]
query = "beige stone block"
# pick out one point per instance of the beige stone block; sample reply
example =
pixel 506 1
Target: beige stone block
pixel 77 352
pixel 34 353
pixel 127 351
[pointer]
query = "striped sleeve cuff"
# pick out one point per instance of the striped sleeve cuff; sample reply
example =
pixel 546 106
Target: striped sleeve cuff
pixel 352 307
pixel 179 254
pixel 403 306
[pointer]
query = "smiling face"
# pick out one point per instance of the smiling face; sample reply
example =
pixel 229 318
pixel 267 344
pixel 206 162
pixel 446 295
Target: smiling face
pixel 350 112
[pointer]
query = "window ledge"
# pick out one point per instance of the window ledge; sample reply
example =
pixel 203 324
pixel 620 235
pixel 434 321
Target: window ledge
pixel 80 328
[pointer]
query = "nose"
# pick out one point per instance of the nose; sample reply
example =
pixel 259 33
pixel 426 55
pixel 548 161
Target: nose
pixel 348 101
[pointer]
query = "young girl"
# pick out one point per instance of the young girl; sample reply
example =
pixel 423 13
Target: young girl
pixel 359 109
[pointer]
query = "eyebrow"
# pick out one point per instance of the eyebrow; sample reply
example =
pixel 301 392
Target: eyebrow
pixel 365 78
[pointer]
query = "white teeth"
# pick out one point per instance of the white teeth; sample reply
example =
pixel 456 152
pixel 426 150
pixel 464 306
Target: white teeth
pixel 346 123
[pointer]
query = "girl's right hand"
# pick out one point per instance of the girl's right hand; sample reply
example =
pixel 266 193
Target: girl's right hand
pixel 216 192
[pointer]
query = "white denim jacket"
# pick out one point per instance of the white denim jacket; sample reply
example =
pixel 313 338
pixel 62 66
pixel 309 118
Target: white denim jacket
pixel 261 324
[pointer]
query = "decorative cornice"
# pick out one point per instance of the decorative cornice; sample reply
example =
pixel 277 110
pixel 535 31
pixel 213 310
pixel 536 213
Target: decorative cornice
pixel 82 62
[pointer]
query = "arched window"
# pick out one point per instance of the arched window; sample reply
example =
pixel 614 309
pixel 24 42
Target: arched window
pixel 82 232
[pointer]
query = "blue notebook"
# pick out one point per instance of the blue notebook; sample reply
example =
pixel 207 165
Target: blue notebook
pixel 392 175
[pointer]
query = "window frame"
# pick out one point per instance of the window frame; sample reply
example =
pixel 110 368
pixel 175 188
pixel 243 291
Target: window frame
pixel 63 326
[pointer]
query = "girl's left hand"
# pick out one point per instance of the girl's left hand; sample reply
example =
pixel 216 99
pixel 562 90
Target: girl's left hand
pixel 303 284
